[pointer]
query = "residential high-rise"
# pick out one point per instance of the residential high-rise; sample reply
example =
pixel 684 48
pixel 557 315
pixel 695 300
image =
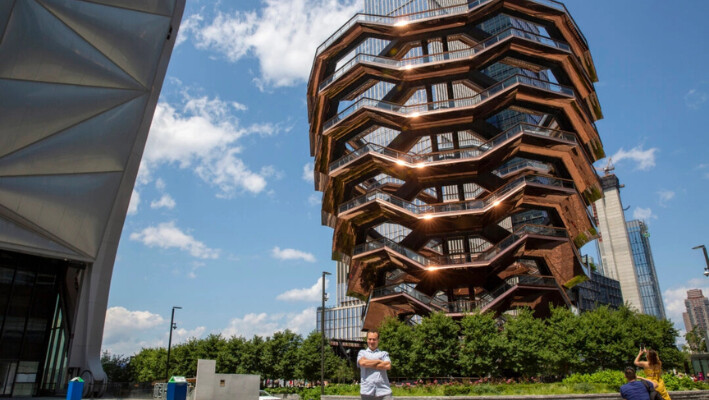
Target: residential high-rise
pixel 645 269
pixel 454 144
pixel 697 315
pixel 614 242
pixel 79 81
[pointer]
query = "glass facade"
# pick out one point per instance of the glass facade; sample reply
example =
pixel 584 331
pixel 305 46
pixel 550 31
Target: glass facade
pixel 342 323
pixel 598 290
pixel 33 348
pixel 645 269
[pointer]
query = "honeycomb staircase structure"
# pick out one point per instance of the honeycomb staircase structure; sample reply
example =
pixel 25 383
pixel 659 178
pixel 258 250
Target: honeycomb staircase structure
pixel 453 143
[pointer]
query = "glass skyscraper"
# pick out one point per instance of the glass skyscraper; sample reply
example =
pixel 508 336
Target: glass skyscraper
pixel 344 321
pixel 648 285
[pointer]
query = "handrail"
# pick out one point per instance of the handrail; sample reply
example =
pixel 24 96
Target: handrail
pixel 464 258
pixel 409 289
pixel 416 109
pixel 460 306
pixel 463 153
pixel 428 210
pixel 407 63
pixel 400 20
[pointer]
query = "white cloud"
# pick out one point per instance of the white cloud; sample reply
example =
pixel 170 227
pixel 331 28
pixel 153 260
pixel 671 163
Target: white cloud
pixel 126 332
pixel 165 201
pixel 195 266
pixel 160 184
pixel 665 196
pixel 263 324
pixel 134 202
pixel 166 235
pixel 123 327
pixel 308 173
pixel 283 35
pixel 644 214
pixel 187 28
pixel 705 175
pixel 644 159
pixel 315 199
pixel 313 293
pixel 203 134
pixel 695 98
pixel 291 254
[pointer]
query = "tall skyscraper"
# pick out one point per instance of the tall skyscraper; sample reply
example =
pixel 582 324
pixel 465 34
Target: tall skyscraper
pixel 697 315
pixel 79 81
pixel 614 242
pixel 454 143
pixel 645 269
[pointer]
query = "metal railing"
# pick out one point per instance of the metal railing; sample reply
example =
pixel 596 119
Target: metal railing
pixel 463 258
pixel 409 289
pixel 399 19
pixel 415 110
pixel 461 306
pixel 415 160
pixel 407 63
pixel 429 210
pixel 436 12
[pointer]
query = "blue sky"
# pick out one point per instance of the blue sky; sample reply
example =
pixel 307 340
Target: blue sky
pixel 224 220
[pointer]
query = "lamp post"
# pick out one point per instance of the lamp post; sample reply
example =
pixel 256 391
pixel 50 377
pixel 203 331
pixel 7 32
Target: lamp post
pixel 706 258
pixel 169 342
pixel 322 331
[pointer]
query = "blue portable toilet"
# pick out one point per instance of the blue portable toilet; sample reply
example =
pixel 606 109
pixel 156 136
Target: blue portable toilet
pixel 75 389
pixel 177 388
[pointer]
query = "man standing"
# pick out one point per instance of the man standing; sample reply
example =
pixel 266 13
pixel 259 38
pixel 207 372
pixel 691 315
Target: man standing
pixel 374 364
pixel 635 389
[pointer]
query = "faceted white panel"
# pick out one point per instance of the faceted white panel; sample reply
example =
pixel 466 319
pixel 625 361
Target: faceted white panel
pixel 31 111
pixel 132 39
pixel 39 47
pixel 14 236
pixel 74 208
pixel 102 143
pixel 163 7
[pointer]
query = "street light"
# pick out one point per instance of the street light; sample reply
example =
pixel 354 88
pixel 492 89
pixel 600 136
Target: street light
pixel 169 341
pixel 322 331
pixel 706 258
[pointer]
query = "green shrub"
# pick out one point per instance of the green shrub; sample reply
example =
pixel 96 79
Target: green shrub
pixel 583 387
pixel 612 378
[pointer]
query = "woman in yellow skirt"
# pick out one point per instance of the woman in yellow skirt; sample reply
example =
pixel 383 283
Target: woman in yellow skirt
pixel 653 370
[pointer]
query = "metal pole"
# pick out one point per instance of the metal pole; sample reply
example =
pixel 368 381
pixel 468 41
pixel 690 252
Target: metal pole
pixel 169 342
pixel 706 258
pixel 322 331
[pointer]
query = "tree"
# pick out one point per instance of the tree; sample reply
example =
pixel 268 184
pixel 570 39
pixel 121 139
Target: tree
pixel 696 340
pixel 116 367
pixel 435 346
pixel 229 359
pixel 397 339
pixel 605 339
pixel 281 353
pixel 563 342
pixel 149 365
pixel 251 360
pixel 482 345
pixel 308 366
pixel 526 344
